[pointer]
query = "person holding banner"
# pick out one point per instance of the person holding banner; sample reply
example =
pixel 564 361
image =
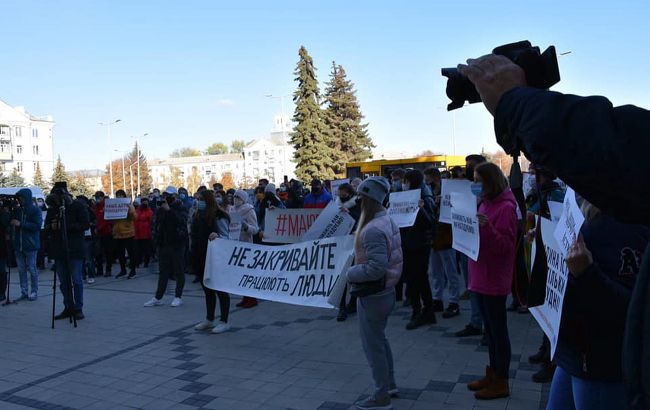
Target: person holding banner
pixel 603 264
pixel 249 228
pixel 377 268
pixel 210 221
pixel 416 247
pixel 123 234
pixel 490 277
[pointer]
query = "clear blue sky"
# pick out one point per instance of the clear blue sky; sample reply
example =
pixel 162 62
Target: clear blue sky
pixel 166 67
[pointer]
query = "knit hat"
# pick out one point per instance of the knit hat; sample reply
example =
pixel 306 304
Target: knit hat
pixel 171 190
pixel 375 188
pixel 241 194
pixel 270 188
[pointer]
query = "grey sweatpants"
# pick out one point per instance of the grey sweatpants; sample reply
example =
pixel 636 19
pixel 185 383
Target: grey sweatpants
pixel 373 314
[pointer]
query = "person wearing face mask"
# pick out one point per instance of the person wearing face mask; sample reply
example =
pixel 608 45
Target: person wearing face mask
pixel 490 277
pixel 230 197
pixel 143 232
pixel 396 177
pixel 318 197
pixel 270 201
pixel 123 233
pixel 185 198
pixel 245 212
pixel 210 222
pixel 170 231
pixel 26 224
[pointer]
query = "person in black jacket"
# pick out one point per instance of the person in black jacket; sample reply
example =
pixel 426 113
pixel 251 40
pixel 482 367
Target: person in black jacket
pixel 68 256
pixel 170 231
pixel 416 247
pixel 598 150
pixel 603 268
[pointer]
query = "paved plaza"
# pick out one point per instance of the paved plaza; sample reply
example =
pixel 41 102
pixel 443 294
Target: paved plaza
pixel 277 356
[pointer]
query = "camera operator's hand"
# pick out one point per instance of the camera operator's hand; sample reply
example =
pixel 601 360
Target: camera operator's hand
pixel 493 75
pixel 15 222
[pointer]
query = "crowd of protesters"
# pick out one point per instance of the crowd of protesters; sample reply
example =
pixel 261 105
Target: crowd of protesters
pixel 418 263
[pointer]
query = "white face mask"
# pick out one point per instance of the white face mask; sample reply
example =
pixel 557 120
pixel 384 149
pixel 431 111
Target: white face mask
pixel 238 202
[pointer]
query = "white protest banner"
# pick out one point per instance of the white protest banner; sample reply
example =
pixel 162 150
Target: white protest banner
pixel 234 228
pixel 449 186
pixel 464 226
pixel 549 314
pixel 556 209
pixel 337 183
pixel 116 208
pixel 571 221
pixel 288 225
pixel 331 222
pixel 304 273
pixel 403 207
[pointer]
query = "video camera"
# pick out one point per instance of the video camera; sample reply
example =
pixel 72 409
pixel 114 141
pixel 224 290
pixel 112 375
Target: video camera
pixel 541 71
pixel 9 201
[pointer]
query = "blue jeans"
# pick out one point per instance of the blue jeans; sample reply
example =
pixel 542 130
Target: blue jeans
pixel 78 285
pixel 475 319
pixel 442 265
pixel 89 258
pixel 573 393
pixel 27 262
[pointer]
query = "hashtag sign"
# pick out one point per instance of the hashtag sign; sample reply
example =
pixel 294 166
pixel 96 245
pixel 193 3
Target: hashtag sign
pixel 282 225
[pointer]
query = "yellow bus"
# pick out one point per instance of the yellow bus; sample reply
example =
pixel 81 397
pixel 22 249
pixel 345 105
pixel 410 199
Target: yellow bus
pixel 383 167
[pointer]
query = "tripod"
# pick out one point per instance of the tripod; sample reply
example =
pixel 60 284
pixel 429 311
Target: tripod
pixel 8 300
pixel 63 228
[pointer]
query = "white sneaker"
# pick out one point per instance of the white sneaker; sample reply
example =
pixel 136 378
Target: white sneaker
pixel 153 302
pixel 176 302
pixel 91 281
pixel 33 296
pixel 221 328
pixel 205 325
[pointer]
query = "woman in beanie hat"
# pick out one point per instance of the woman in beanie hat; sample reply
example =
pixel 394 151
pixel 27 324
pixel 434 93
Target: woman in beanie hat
pixel 377 268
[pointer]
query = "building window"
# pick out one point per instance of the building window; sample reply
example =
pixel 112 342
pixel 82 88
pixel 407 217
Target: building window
pixel 19 132
pixel 35 165
pixel 5 130
pixel 19 149
pixel 35 149
pixel 19 166
pixel 4 147
pixel 35 132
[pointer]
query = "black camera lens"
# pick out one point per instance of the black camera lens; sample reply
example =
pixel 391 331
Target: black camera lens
pixel 459 89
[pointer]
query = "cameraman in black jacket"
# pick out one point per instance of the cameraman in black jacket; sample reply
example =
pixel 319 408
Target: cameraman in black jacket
pixel 598 150
pixel 68 267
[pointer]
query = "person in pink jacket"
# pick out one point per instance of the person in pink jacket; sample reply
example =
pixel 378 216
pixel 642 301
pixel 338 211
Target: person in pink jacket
pixel 490 277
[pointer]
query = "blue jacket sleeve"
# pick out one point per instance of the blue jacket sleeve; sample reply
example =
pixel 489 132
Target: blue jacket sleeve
pixel 375 244
pixel 33 220
pixel 590 144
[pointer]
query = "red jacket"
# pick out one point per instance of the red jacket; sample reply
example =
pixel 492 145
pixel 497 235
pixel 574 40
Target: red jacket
pixel 104 228
pixel 143 222
pixel 492 273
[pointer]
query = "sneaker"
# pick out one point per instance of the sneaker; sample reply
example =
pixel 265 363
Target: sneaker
pixel 469 331
pixel 33 296
pixel 438 306
pixel 176 302
pixel 393 390
pixel 221 328
pixel 452 310
pixel 205 325
pixel 119 275
pixel 131 275
pixel 91 281
pixel 153 302
pixel 370 403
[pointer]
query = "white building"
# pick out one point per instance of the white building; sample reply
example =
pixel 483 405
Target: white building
pixel 205 165
pixel 25 141
pixel 271 157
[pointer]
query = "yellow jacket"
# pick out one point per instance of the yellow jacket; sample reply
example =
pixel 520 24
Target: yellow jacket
pixel 125 228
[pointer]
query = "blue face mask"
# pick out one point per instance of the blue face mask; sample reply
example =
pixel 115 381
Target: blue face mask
pixel 397 186
pixel 477 189
pixel 182 197
pixel 200 205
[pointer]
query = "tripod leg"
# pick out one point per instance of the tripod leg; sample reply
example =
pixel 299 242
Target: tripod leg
pixel 53 298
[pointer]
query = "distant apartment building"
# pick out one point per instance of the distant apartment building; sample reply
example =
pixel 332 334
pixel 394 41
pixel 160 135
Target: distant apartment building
pixel 206 166
pixel 25 142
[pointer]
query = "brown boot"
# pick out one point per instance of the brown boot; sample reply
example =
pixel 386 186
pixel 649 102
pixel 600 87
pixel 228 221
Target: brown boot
pixel 484 382
pixel 497 389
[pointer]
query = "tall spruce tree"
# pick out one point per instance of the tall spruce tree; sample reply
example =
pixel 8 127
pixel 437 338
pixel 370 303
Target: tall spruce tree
pixel 59 174
pixel 343 121
pixel 314 155
pixel 38 180
pixel 15 179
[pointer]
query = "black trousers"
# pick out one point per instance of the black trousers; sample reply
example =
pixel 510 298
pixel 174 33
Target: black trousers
pixel 171 264
pixel 105 254
pixel 211 295
pixel 142 251
pixel 495 320
pixel 416 277
pixel 122 245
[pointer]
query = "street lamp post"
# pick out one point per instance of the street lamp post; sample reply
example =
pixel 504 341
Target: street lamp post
pixel 123 173
pixel 110 159
pixel 131 174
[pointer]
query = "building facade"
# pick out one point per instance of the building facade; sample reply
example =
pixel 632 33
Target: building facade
pixel 204 167
pixel 26 141
pixel 271 157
